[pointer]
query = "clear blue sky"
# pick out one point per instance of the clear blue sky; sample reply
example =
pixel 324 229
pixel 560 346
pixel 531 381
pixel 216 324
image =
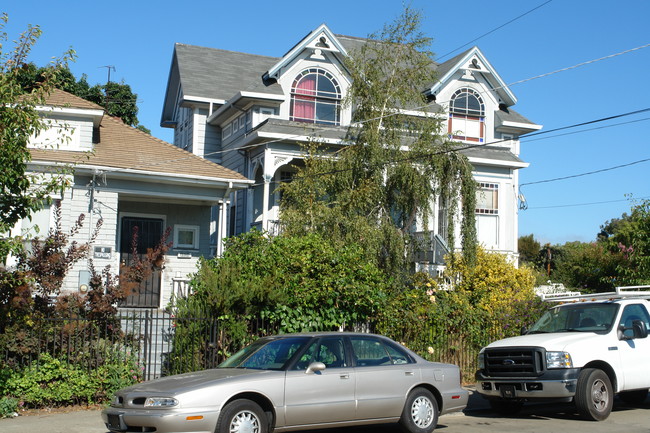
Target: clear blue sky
pixel 137 37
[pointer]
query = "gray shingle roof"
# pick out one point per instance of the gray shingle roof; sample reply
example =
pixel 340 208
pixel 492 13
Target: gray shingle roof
pixel 511 115
pixel 220 74
pixel 491 153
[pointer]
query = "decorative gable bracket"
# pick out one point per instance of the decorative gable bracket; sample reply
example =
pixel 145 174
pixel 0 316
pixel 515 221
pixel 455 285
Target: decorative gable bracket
pixel 317 42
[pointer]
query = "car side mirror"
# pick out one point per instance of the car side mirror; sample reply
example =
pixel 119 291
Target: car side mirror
pixel 639 329
pixel 524 330
pixel 315 367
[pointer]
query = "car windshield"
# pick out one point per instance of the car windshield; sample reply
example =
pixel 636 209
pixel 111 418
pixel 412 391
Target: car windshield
pixel 584 317
pixel 266 354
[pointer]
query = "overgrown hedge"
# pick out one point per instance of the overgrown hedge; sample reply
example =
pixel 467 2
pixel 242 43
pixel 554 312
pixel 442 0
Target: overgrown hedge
pixel 288 284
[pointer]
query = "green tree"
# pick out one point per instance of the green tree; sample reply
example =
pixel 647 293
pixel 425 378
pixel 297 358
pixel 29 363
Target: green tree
pixel 589 267
pixel 631 239
pixel 529 249
pixel 393 165
pixel 21 192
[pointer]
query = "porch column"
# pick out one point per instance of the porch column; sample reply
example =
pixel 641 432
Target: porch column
pixel 268 176
pixel 265 203
pixel 221 227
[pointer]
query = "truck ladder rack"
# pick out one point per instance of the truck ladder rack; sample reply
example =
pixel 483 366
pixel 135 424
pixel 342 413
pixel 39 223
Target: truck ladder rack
pixel 627 292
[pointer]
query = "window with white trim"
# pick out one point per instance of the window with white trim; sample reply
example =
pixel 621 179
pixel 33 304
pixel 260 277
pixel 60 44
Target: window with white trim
pixel 487 199
pixel 315 97
pixel 467 116
pixel 186 236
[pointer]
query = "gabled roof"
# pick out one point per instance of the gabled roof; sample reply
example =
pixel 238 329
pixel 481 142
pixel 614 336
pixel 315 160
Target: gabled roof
pixel 120 147
pixel 474 61
pixel 233 79
pixel 320 40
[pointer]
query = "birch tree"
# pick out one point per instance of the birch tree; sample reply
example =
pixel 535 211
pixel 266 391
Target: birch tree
pixel 396 161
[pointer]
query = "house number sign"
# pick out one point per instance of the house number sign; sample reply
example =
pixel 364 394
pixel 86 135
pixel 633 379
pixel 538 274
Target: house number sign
pixel 102 252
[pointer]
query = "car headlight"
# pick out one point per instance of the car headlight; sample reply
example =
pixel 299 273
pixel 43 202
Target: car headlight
pixel 481 360
pixel 160 402
pixel 558 360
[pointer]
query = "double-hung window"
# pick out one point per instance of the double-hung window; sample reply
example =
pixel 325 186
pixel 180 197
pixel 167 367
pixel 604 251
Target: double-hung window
pixel 467 116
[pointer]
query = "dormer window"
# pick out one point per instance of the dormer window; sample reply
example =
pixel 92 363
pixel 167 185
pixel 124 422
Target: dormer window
pixel 467 116
pixel 315 97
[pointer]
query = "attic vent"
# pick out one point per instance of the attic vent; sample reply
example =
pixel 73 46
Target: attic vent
pixel 322 42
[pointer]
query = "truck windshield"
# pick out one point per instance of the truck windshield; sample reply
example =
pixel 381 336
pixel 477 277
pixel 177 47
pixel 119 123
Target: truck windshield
pixel 584 317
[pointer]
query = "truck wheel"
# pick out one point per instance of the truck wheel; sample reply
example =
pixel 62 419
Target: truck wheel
pixel 506 407
pixel 634 397
pixel 242 416
pixel 594 397
pixel 420 414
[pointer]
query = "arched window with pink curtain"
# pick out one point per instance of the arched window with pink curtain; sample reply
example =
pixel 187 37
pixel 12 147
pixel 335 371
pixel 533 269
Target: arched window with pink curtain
pixel 315 97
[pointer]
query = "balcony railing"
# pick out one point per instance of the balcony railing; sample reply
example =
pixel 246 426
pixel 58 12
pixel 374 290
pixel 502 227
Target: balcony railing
pixel 430 248
pixel 275 227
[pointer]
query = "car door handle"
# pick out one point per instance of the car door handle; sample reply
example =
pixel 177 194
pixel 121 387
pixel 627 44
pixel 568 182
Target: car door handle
pixel 344 376
pixel 409 373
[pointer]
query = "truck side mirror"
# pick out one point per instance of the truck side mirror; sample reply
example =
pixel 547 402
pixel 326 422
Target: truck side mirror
pixel 639 329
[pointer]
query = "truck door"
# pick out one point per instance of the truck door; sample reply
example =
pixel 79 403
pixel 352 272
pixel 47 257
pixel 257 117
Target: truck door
pixel 635 353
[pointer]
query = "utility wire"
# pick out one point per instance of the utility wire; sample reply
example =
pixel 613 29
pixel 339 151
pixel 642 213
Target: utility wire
pixel 495 29
pixel 524 139
pixel 602 170
pixel 473 146
pixel 584 204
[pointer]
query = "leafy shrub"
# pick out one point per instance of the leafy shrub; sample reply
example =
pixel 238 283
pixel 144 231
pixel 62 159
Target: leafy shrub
pixel 52 382
pixel 8 407
pixel 57 382
pixel 274 284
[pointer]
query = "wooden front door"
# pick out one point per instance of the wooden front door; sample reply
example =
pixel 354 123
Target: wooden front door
pixel 149 233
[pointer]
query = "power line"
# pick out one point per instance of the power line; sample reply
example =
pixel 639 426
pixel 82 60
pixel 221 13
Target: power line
pixel 584 204
pixel 495 29
pixel 524 139
pixel 586 173
pixel 473 146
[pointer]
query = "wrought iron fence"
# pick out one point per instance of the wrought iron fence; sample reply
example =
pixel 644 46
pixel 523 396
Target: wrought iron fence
pixel 161 344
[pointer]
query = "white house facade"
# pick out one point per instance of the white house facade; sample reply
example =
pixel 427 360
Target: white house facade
pixel 128 179
pixel 251 113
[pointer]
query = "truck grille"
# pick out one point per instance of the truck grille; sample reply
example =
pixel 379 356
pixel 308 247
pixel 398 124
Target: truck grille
pixel 514 361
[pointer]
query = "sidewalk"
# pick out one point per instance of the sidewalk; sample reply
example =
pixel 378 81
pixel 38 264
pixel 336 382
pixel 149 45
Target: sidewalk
pixel 81 421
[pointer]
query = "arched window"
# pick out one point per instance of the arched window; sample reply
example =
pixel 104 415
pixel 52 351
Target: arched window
pixel 315 97
pixel 467 116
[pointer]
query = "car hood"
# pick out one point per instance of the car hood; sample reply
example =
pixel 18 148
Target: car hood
pixel 187 381
pixel 550 341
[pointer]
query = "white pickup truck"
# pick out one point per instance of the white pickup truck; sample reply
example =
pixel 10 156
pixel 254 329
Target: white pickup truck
pixel 586 349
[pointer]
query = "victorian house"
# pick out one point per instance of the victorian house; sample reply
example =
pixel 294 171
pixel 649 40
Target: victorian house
pixel 250 113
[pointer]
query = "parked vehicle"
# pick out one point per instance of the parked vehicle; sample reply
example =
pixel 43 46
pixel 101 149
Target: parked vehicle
pixel 585 350
pixel 293 382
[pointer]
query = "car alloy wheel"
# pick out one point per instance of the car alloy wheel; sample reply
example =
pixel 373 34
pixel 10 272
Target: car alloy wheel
pixel 242 416
pixel 422 412
pixel 245 422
